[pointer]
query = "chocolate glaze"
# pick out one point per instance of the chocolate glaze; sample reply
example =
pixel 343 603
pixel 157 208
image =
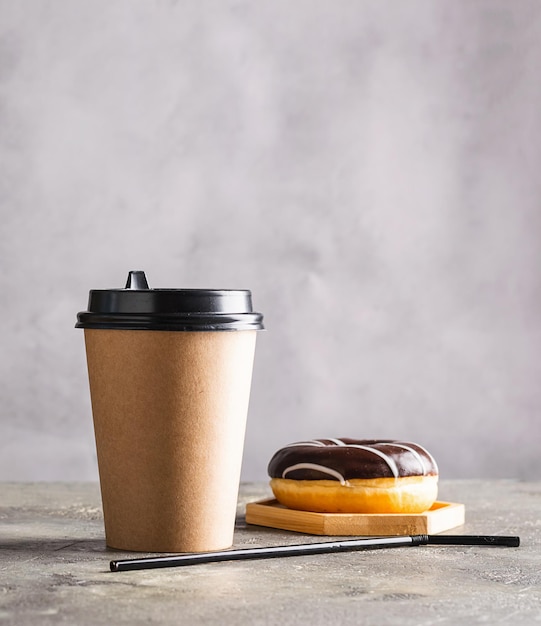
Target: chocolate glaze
pixel 344 459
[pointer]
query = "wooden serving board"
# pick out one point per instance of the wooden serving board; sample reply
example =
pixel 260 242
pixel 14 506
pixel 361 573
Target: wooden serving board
pixel 440 517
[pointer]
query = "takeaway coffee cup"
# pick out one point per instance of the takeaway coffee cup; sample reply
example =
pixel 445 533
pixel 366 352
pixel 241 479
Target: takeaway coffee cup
pixel 170 373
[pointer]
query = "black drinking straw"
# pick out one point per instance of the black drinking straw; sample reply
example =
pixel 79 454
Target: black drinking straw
pixel 311 548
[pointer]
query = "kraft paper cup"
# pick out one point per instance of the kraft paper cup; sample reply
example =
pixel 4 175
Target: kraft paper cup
pixel 170 374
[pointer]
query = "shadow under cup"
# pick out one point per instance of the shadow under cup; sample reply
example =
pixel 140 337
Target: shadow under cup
pixel 170 373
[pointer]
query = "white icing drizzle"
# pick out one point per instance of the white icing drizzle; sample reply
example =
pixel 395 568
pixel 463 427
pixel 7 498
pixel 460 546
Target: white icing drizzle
pixel 385 457
pixel 429 456
pixel 316 444
pixel 315 466
pixel 415 454
pixel 338 442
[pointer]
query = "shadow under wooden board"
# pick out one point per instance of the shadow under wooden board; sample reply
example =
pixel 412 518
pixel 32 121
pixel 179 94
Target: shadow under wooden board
pixel 440 517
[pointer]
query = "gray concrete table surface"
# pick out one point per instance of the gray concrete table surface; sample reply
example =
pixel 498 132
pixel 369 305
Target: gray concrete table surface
pixel 54 569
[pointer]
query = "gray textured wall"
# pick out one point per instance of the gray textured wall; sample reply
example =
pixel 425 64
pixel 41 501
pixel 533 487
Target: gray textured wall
pixel 369 169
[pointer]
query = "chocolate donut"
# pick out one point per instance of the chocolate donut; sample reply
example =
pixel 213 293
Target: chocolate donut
pixel 354 476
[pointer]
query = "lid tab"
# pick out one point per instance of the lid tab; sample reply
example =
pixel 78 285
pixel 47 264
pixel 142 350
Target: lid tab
pixel 136 280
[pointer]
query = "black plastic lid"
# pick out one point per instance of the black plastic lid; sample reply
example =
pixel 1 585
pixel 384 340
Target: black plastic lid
pixel 137 307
